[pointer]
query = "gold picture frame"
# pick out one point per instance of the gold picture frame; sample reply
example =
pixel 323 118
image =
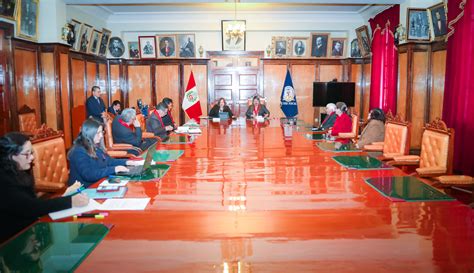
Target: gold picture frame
pixel 338 47
pixel 96 38
pixel 9 9
pixel 280 46
pixel 299 47
pixel 320 44
pixel 438 20
pixel 27 19
pixel 363 38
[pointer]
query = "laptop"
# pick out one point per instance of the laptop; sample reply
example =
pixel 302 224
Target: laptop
pixel 140 170
pixel 223 115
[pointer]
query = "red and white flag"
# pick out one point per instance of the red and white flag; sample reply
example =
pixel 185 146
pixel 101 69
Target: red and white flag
pixel 191 104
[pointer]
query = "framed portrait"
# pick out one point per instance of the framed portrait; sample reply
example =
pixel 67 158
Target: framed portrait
pixel 319 44
pixel 231 38
pixel 280 46
pixel 186 43
pixel 85 37
pixel 147 46
pixel 363 37
pixel 418 26
pixel 104 42
pixel 438 21
pixel 355 50
pixel 167 46
pixel 76 29
pixel 27 19
pixel 299 46
pixel 338 47
pixel 116 47
pixel 95 41
pixel 133 50
pixel 8 9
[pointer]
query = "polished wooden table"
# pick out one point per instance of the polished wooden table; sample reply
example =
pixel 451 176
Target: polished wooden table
pixel 243 198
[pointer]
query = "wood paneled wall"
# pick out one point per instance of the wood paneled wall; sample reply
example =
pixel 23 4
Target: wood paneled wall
pixel 306 71
pixel 421 85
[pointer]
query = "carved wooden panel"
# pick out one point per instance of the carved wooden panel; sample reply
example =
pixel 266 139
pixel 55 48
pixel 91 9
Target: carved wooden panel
pixel 366 97
pixel 139 84
pixel 200 76
pixel 222 93
pixel 418 101
pixel 78 110
pixel 167 85
pixel 103 83
pixel 26 80
pixel 91 77
pixel 356 77
pixel 303 77
pixel 438 70
pixel 49 85
pixel 223 79
pixel 115 89
pixel 246 79
pixel 402 85
pixel 273 78
pixel 64 75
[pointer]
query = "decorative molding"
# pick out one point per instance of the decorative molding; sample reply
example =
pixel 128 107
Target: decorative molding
pixel 439 126
pixel 25 109
pixel 44 133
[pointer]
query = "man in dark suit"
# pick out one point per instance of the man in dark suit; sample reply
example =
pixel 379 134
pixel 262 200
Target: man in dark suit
pixel 167 50
pixel 95 106
pixel 126 129
pixel 155 123
pixel 168 118
pixel 331 116
pixel 319 47
pixel 115 108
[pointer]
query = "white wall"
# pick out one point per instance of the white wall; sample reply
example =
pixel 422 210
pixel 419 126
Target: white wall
pixel 52 17
pixel 90 15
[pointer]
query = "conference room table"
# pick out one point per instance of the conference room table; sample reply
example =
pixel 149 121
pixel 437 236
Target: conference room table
pixel 262 197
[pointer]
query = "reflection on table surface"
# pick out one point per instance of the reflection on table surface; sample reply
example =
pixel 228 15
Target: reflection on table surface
pixel 249 198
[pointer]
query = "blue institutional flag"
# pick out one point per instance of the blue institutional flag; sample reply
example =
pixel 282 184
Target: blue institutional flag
pixel 289 106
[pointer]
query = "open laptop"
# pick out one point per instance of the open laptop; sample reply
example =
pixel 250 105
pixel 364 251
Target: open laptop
pixel 224 115
pixel 140 170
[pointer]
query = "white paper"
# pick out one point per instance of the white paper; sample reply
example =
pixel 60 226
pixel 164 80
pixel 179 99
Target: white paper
pixel 125 204
pixel 260 119
pixel 181 129
pixel 123 182
pixel 216 119
pixel 93 205
pixel 194 131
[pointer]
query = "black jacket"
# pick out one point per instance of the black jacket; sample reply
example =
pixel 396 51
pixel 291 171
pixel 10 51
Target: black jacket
pixel 156 127
pixel 19 206
pixel 95 108
pixel 262 110
pixel 214 113
pixel 122 134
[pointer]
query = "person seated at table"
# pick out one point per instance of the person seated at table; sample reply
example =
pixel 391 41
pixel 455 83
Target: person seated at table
pixel 168 118
pixel 88 159
pixel 257 109
pixel 155 123
pixel 19 205
pixel 374 131
pixel 126 129
pixel 115 108
pixel 330 118
pixel 220 107
pixel 343 123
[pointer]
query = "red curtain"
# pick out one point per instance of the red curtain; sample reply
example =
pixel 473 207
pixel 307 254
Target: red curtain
pixel 391 15
pixel 459 85
pixel 383 86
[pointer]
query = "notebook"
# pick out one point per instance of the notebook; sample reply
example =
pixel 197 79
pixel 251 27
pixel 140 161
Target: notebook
pixel 223 115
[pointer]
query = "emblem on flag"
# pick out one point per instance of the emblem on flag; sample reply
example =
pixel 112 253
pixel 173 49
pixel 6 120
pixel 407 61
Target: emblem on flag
pixel 289 106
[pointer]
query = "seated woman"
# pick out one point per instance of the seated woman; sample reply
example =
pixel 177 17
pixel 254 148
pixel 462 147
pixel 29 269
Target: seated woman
pixel 257 109
pixel 220 107
pixel 343 123
pixel 87 158
pixel 19 205
pixel 374 131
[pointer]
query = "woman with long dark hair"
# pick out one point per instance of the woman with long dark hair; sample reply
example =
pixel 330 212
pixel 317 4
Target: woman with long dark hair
pixel 19 205
pixel 220 107
pixel 374 131
pixel 257 109
pixel 88 160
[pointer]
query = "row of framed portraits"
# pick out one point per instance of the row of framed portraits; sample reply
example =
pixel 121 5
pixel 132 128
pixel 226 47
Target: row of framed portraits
pixel 163 46
pixel 85 38
pixel 25 13
pixel 427 24
pixel 319 45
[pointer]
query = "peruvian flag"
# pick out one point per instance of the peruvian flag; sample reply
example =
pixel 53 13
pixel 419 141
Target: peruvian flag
pixel 191 104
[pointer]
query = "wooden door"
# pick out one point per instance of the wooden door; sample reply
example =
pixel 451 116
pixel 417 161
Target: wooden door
pixel 235 76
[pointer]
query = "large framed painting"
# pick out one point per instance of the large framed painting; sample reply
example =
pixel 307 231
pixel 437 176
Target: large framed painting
pixel 233 34
pixel 27 19
pixel 363 37
pixel 299 46
pixel 355 50
pixel 104 42
pixel 8 9
pixel 167 45
pixel 95 41
pixel 319 44
pixel 76 29
pixel 187 48
pixel 438 21
pixel 147 45
pixel 116 47
pixel 338 47
pixel 280 46
pixel 418 26
pixel 85 37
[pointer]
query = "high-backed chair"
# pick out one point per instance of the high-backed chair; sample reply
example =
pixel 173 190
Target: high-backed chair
pixel 27 119
pixel 355 129
pixel 436 157
pixel 142 120
pixel 396 139
pixel 263 100
pixel 50 164
pixel 118 150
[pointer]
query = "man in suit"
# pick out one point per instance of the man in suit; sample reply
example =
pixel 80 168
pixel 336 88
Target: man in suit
pixel 167 50
pixel 331 116
pixel 126 129
pixel 337 49
pixel 155 123
pixel 299 48
pixel 95 106
pixel 115 108
pixel 168 118
pixel 320 48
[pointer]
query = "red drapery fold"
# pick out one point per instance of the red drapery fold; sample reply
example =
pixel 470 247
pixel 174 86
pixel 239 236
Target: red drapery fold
pixel 391 15
pixel 383 86
pixel 459 85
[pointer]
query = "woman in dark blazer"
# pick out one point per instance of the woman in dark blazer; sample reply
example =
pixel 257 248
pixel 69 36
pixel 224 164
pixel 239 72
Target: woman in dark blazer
pixel 19 205
pixel 375 129
pixel 221 106
pixel 88 160
pixel 257 109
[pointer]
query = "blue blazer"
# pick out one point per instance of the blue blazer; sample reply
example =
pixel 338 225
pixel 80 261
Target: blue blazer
pixel 88 170
pixel 95 109
pixel 112 110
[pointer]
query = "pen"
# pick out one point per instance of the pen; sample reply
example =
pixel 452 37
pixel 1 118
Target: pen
pixel 79 190
pixel 96 216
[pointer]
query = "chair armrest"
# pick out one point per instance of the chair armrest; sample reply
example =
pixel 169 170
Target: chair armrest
pixel 391 155
pixel 43 186
pixel 410 158
pixel 122 146
pixel 373 148
pixel 455 180
pixel 431 171
pixel 117 154
pixel 346 135
pixel 148 135
pixel 402 163
pixel 381 143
